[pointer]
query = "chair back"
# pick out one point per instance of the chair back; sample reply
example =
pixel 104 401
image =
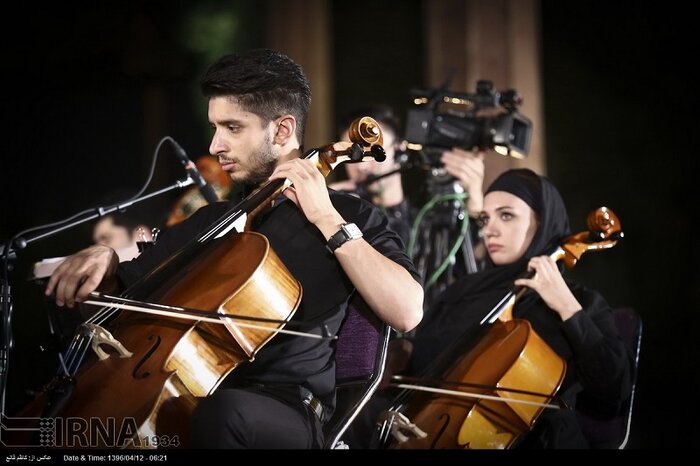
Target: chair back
pixel 360 357
pixel 614 432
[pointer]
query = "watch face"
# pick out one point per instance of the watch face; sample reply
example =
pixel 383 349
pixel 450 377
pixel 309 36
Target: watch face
pixel 352 231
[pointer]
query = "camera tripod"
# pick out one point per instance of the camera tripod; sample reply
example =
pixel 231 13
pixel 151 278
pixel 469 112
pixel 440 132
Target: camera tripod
pixel 441 238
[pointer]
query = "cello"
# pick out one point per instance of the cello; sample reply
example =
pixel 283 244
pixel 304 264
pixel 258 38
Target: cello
pixel 150 367
pixel 488 395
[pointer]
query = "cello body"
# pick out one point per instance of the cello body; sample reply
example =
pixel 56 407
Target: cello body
pixel 173 362
pixel 486 395
pixel 510 354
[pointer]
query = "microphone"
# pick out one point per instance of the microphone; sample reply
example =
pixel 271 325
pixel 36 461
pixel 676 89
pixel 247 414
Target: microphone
pixel 204 188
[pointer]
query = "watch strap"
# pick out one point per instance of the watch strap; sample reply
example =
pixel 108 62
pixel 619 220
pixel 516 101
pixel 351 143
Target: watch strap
pixel 347 232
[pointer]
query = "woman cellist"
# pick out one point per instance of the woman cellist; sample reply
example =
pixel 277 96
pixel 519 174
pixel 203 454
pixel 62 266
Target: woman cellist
pixel 523 218
pixel 258 103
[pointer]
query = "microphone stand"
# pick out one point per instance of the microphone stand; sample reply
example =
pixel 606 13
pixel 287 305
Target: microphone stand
pixel 19 242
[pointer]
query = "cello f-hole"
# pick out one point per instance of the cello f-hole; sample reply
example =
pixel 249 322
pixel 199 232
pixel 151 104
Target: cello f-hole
pixel 146 357
pixel 446 418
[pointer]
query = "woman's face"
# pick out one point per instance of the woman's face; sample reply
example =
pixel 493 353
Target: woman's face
pixel 509 225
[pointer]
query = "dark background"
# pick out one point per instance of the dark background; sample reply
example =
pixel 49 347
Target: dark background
pixel 89 93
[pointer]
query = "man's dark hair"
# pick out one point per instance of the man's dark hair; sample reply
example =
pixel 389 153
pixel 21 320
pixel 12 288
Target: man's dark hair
pixel 383 113
pixel 124 220
pixel 264 82
pixel 127 221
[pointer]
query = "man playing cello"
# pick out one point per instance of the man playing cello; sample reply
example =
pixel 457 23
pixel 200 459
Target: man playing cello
pixel 258 104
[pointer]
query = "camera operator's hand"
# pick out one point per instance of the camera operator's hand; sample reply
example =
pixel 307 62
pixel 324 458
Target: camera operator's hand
pixel 468 168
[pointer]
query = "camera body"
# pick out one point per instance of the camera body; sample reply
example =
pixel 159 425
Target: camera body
pixel 486 119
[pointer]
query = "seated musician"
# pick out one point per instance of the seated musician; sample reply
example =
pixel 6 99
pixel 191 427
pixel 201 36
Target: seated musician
pixel 524 218
pixel 258 104
pixel 122 233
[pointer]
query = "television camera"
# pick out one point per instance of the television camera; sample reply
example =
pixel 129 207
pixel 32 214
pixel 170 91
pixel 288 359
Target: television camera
pixel 486 119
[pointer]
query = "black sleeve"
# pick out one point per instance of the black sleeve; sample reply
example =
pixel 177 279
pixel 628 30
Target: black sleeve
pixel 374 225
pixel 171 241
pixel 603 362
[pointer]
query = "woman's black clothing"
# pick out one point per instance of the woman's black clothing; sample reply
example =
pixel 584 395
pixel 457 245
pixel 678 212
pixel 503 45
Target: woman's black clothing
pixel 597 360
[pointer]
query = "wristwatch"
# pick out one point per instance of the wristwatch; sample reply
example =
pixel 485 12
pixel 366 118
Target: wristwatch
pixel 347 232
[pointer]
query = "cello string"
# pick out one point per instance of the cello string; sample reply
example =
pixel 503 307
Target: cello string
pixel 73 352
pixel 101 316
pixel 80 355
pixel 499 309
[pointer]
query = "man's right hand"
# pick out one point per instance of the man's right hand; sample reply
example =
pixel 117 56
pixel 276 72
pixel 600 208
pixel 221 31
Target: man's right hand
pixel 81 274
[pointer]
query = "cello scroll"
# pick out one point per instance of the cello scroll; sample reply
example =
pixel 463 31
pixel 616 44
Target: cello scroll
pixel 604 231
pixel 366 144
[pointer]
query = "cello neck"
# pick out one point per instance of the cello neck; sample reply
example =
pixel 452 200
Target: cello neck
pixel 503 311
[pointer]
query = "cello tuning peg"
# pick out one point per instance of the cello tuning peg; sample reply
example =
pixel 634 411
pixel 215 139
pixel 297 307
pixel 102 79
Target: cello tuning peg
pixel 378 153
pixel 356 153
pixel 596 236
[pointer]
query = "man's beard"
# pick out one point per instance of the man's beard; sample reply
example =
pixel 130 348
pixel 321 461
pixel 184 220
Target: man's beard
pixel 262 164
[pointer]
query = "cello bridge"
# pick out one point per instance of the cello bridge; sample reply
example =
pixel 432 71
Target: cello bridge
pixel 101 336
